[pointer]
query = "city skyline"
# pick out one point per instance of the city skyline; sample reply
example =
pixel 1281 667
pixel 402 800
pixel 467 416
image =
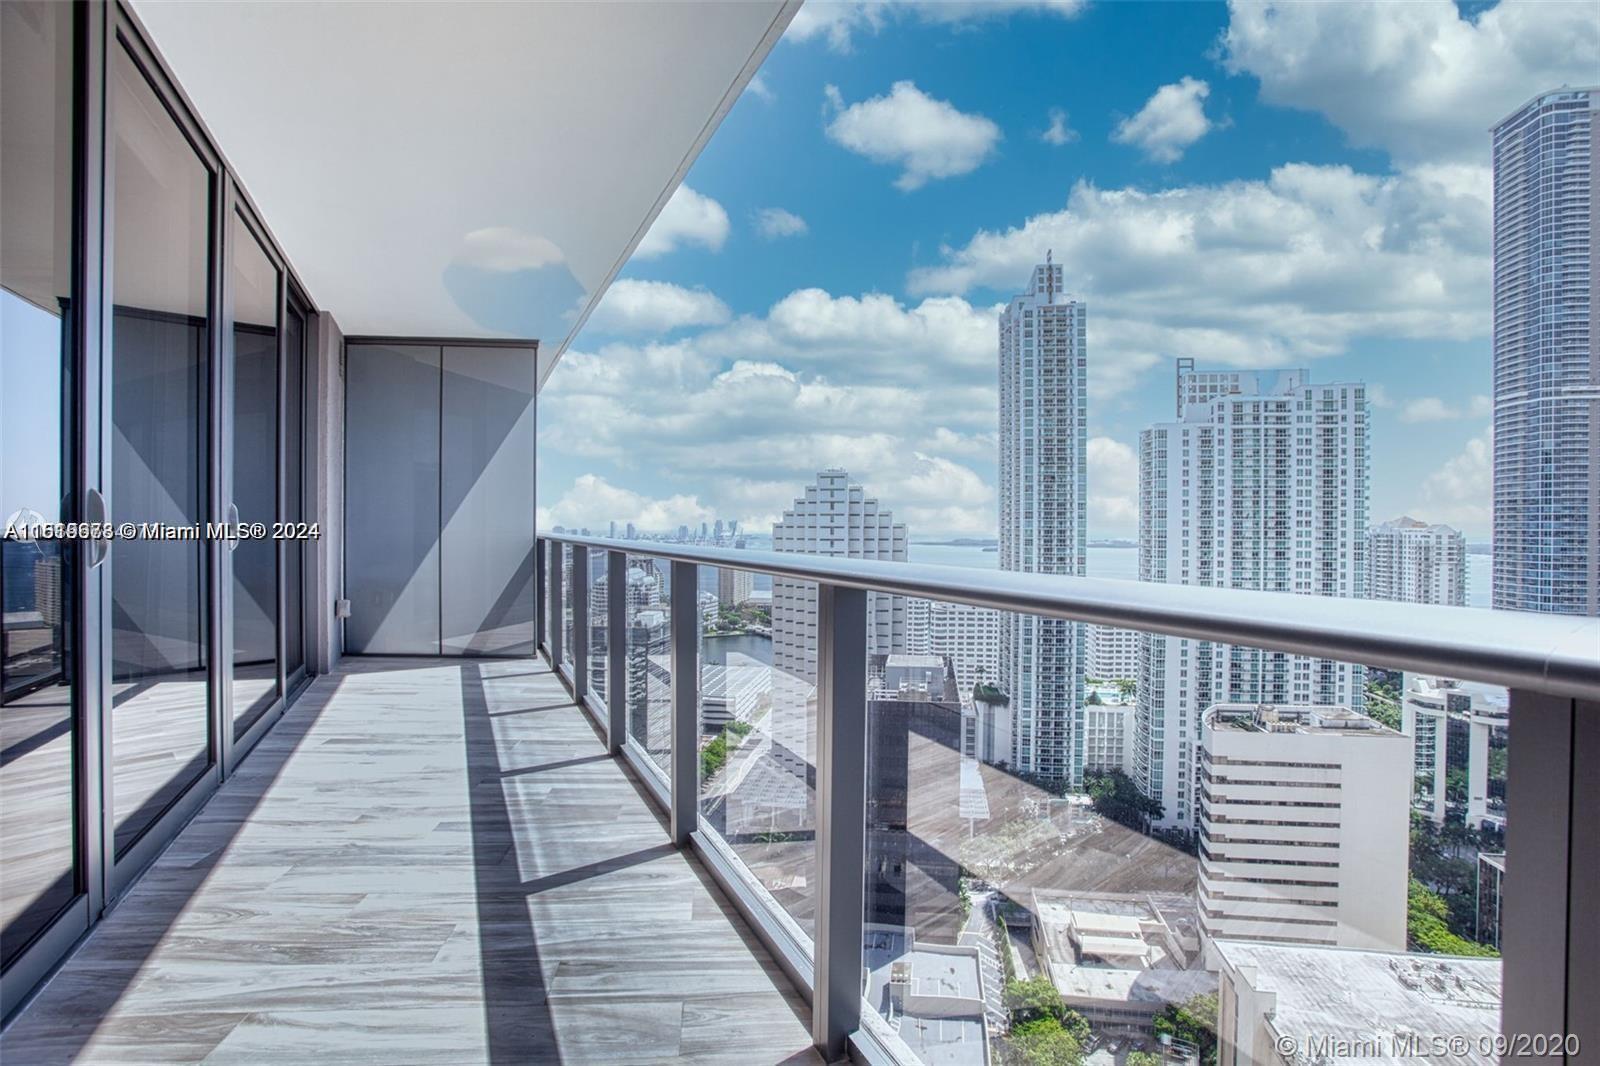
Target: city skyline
pixel 818 295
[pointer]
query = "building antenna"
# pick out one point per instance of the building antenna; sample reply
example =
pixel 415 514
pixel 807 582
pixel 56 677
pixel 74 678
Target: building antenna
pixel 1049 275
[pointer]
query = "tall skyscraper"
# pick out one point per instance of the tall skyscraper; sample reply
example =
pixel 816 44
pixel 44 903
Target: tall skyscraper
pixel 1546 357
pixel 1414 562
pixel 1260 483
pixel 832 517
pixel 1042 517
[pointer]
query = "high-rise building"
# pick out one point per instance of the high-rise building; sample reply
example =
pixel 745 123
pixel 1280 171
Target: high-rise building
pixel 832 517
pixel 969 635
pixel 1456 727
pixel 734 587
pixel 1042 517
pixel 1113 654
pixel 1546 356
pixel 1304 827
pixel 1414 562
pixel 1260 483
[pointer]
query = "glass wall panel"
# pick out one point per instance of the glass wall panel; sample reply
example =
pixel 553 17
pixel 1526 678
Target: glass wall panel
pixel 486 542
pixel 758 735
pixel 253 429
pixel 38 875
pixel 1245 818
pixel 294 510
pixel 599 631
pixel 392 499
pixel 161 225
pixel 649 658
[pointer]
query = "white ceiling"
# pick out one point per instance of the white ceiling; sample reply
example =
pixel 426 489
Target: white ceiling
pixel 462 169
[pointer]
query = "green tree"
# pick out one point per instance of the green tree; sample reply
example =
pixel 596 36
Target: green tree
pixel 1043 1042
pixel 1194 1022
pixel 1428 925
pixel 1143 1058
pixel 1127 687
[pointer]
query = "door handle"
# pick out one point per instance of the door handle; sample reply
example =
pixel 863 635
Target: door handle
pixel 233 526
pixel 96 514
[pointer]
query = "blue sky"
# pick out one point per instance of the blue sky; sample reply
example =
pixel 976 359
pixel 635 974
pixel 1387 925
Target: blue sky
pixel 1248 184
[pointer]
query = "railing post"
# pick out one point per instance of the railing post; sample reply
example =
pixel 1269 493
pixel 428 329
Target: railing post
pixel 538 592
pixel 580 622
pixel 685 760
pixel 841 814
pixel 616 650
pixel 553 598
pixel 1549 920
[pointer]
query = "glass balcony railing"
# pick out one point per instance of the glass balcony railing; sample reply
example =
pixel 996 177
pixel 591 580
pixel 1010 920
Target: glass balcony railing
pixel 1264 803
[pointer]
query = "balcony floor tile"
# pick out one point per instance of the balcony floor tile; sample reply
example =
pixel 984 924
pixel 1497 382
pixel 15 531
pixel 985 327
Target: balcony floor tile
pixel 425 861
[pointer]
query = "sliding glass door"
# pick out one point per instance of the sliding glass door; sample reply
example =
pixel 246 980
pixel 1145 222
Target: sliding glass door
pixel 40 694
pixel 161 195
pixel 250 437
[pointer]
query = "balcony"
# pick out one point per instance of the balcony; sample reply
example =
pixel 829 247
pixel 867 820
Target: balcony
pixel 417 782
pixel 425 861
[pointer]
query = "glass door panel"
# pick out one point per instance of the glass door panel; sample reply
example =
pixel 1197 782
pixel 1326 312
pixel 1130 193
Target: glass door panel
pixel 161 322
pixel 293 491
pixel 39 874
pixel 254 449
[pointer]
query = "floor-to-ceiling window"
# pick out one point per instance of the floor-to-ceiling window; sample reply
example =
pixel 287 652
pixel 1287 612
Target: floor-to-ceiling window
pixel 251 421
pixel 160 233
pixel 40 872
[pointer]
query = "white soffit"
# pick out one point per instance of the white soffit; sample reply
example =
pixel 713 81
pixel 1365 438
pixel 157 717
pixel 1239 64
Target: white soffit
pixel 462 169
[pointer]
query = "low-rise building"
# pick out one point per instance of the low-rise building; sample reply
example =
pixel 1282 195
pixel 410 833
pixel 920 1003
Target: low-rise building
pixel 931 995
pixel 1304 826
pixel 1289 1005
pixel 1119 959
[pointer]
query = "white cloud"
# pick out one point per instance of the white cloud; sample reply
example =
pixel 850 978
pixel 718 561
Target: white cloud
pixel 592 501
pixel 1113 475
pixel 1170 121
pixel 775 222
pixel 1378 396
pixel 688 218
pixel 1250 273
pixel 1419 79
pixel 758 87
pixel 1461 491
pixel 927 138
pixel 1434 409
pixel 503 250
pixel 837 22
pixel 1058 132
pixel 635 306
pixel 750 410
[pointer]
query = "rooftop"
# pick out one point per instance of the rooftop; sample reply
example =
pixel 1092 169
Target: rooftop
pixel 1286 718
pixel 1362 995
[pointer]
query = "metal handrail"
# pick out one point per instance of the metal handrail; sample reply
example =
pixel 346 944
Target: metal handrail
pixel 1554 654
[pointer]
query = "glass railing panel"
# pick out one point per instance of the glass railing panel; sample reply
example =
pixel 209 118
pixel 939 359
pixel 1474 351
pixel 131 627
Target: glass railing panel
pixel 599 626
pixel 1237 826
pixel 758 731
pixel 566 608
pixel 648 669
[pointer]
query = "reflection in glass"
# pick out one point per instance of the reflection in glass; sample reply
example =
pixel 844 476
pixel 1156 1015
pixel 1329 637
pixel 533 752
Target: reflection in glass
pixel 161 323
pixel 294 330
pixel 254 426
pixel 566 606
pixel 649 659
pixel 758 745
pixel 38 875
